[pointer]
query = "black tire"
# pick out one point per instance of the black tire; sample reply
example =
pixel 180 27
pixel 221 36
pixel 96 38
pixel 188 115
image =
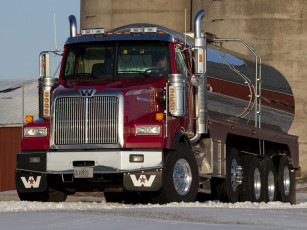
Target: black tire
pixel 285 181
pixel 29 196
pixel 270 181
pixel 253 180
pixel 128 197
pixel 54 196
pixel 114 197
pixel 228 189
pixel 181 160
pixel 50 195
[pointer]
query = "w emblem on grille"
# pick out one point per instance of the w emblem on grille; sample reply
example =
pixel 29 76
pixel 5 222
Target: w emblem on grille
pixel 87 92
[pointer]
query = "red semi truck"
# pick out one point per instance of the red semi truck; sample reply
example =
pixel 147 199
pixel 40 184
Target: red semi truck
pixel 145 113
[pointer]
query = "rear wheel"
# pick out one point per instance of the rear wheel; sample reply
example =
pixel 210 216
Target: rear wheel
pixel 180 177
pixel 285 181
pixel 270 182
pixel 253 179
pixel 228 189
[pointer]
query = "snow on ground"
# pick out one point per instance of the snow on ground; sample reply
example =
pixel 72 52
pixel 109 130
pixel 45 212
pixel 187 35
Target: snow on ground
pixel 100 215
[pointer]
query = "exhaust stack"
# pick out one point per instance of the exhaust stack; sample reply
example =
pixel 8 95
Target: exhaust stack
pixel 45 84
pixel 200 57
pixel 72 25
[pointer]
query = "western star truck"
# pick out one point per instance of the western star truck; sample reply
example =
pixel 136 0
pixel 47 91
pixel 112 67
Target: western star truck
pixel 142 112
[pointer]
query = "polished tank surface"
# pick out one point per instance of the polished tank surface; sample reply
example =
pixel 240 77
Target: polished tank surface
pixel 231 91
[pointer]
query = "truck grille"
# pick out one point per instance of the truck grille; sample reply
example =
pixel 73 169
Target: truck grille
pixel 81 120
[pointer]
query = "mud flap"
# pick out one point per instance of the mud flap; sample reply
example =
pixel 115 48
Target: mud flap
pixel 30 182
pixel 143 181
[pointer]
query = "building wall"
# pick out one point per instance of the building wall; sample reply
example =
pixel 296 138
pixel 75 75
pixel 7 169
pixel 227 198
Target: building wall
pixel 275 28
pixel 10 139
pixel 110 14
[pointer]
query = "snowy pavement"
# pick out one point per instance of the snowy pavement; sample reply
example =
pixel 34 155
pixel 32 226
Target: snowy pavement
pixel 95 214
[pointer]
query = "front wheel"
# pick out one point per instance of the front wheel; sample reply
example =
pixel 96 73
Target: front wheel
pixel 50 195
pixel 180 178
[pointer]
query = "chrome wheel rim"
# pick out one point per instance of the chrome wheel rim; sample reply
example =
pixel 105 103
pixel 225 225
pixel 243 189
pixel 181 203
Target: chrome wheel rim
pixel 182 177
pixel 257 184
pixel 271 186
pixel 235 175
pixel 286 181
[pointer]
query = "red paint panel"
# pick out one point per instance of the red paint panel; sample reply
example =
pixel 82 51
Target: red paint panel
pixel 10 140
pixel 272 99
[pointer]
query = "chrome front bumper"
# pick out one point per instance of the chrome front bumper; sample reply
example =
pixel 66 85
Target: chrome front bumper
pixel 104 161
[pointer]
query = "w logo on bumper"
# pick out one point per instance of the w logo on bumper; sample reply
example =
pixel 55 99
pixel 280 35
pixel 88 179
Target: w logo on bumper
pixel 31 183
pixel 142 181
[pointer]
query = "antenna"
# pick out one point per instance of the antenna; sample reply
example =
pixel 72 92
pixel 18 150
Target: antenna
pixel 56 46
pixel 185 28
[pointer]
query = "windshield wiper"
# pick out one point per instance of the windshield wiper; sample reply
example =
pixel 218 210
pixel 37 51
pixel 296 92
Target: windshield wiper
pixel 134 71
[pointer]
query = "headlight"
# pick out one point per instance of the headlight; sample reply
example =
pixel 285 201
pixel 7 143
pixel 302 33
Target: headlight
pixel 35 132
pixel 148 130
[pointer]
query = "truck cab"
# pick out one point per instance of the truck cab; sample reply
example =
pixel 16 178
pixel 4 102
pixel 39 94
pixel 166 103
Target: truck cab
pixel 132 115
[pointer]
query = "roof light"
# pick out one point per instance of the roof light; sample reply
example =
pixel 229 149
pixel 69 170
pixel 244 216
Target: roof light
pixel 93 31
pixel 150 30
pixel 136 30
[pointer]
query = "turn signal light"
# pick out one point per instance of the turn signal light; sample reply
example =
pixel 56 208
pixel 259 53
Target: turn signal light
pixel 29 119
pixel 159 116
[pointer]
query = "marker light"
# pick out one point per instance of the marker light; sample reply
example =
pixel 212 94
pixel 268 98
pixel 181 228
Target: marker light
pixel 29 119
pixel 159 116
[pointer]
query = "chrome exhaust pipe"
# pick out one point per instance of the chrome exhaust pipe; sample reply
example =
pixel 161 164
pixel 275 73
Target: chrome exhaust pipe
pixel 72 25
pixel 197 23
pixel 200 57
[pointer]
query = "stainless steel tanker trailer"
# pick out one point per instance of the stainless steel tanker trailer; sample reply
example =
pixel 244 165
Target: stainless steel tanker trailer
pixel 142 111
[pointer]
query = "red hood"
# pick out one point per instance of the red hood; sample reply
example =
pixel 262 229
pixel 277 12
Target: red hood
pixel 105 84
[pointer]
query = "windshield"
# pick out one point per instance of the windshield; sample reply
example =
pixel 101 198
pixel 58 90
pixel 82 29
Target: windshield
pixel 110 60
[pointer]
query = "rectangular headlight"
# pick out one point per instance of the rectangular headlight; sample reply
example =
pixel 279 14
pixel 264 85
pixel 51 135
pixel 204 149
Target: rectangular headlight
pixel 35 132
pixel 148 130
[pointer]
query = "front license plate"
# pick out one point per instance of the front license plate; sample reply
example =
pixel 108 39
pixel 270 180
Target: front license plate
pixel 83 172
